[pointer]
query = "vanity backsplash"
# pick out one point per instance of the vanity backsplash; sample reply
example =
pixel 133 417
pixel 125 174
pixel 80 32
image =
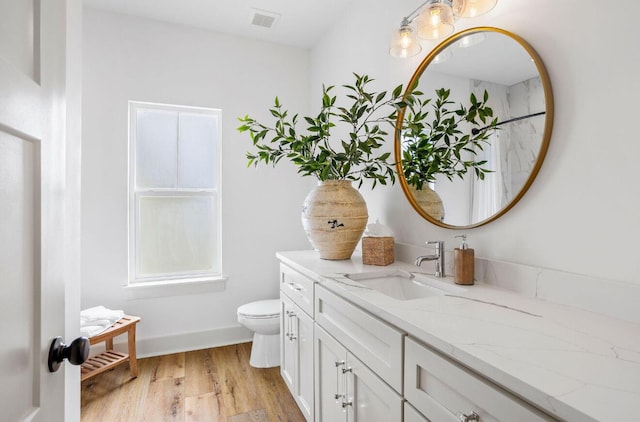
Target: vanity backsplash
pixel 609 297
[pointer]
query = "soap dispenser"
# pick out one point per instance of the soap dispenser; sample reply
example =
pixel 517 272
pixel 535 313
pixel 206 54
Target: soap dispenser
pixel 464 261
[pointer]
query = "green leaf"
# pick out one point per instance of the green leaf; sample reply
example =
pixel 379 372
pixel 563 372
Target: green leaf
pixel 432 139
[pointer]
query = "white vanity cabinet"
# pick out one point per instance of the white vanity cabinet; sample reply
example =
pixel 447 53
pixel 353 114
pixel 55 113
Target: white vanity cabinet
pixel 373 341
pixel 358 363
pixel 296 338
pixel 373 359
pixel 442 390
pixel 347 390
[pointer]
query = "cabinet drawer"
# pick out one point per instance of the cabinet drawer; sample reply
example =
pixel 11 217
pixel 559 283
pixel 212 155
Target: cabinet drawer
pixel 442 390
pixel 298 287
pixel 377 344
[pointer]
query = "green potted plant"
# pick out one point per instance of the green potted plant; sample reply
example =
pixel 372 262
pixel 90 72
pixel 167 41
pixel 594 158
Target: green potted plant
pixel 334 214
pixel 439 145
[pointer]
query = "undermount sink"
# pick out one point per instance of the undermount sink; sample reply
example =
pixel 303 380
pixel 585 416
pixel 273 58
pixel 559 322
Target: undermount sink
pixel 403 285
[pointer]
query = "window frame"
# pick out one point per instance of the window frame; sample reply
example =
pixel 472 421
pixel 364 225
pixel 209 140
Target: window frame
pixel 134 194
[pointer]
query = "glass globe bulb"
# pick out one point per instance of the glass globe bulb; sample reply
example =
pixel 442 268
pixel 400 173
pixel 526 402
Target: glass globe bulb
pixel 404 43
pixel 472 8
pixel 436 21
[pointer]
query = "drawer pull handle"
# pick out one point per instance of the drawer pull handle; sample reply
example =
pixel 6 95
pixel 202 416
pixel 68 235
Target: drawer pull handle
pixel 473 416
pixel 292 334
pixel 295 286
pixel 345 387
pixel 346 404
pixel 337 396
pixel 288 334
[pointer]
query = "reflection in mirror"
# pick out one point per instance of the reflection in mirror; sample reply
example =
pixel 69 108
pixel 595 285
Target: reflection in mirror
pixel 446 141
pixel 501 71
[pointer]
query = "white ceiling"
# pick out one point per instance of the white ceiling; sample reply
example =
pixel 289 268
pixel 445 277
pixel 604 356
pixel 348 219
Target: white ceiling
pixel 301 24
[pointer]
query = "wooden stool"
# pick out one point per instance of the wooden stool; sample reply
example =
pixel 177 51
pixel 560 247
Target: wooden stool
pixel 110 358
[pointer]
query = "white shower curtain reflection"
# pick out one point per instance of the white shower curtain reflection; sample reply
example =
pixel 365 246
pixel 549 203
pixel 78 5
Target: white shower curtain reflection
pixel 487 193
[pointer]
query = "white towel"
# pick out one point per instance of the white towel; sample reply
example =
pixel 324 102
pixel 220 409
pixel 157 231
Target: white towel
pixel 97 319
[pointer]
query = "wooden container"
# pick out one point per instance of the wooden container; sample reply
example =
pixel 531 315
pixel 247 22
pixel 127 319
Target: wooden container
pixel 464 261
pixel 377 250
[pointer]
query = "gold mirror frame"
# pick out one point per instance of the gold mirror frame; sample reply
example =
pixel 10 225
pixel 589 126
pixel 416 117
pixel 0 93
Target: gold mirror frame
pixel 546 135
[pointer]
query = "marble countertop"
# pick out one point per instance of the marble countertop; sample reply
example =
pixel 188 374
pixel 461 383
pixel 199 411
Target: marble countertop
pixel 574 364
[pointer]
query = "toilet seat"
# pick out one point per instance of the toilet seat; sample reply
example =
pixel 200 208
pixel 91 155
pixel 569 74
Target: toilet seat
pixel 262 309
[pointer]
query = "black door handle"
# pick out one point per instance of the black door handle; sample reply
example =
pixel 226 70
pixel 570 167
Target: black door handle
pixel 76 353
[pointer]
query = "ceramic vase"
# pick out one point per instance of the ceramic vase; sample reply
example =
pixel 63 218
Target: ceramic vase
pixel 334 216
pixel 429 201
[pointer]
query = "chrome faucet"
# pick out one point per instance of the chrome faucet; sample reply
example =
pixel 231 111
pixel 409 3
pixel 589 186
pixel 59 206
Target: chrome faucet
pixel 438 257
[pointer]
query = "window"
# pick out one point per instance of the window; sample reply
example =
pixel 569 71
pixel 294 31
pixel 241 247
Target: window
pixel 174 193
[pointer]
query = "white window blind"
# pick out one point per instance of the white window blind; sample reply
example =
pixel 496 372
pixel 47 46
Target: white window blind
pixel 174 193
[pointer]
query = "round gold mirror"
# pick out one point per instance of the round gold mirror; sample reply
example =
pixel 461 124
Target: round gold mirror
pixel 484 140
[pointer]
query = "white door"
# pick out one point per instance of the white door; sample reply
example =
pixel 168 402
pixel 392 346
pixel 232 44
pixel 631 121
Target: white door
pixel 330 381
pixel 287 347
pixel 37 233
pixel 370 399
pixel 304 365
pixel 412 415
pixel 296 363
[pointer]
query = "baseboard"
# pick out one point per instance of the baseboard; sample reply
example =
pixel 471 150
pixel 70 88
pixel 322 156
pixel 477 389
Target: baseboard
pixel 185 342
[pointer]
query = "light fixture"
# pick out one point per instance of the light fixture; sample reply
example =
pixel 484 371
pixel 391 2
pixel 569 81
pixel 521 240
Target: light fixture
pixel 435 19
pixel 443 56
pixel 472 8
pixel 470 40
pixel 404 42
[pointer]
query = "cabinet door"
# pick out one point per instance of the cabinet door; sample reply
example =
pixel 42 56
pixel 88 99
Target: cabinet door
pixel 376 343
pixel 296 354
pixel 304 365
pixel 412 415
pixel 329 380
pixel 287 348
pixel 370 399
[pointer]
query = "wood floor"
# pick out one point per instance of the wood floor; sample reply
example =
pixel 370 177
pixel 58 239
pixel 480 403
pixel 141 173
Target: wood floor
pixel 205 385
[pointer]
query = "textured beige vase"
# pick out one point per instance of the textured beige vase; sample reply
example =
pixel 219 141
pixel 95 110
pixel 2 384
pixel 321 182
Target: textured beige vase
pixel 334 216
pixel 429 201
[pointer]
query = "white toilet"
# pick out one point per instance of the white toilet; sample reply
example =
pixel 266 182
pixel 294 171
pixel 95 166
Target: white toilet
pixel 263 318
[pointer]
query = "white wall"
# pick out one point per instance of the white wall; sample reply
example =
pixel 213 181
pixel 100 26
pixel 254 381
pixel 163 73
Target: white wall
pixel 581 215
pixel 128 58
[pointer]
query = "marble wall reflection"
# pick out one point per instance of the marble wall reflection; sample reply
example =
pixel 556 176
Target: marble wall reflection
pixel 518 142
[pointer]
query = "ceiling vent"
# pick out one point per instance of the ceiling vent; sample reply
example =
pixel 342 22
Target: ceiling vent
pixel 263 18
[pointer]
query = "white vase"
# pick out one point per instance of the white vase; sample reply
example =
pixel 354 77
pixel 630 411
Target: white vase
pixel 334 216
